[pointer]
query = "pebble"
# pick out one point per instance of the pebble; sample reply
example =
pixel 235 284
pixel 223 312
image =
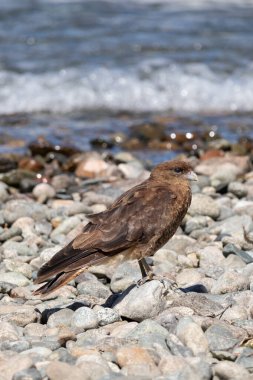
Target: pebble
pixel 238 189
pixel 228 370
pixel 230 281
pixel 204 205
pixel 43 191
pixel 15 278
pixel 84 319
pixel 148 332
pixel 191 334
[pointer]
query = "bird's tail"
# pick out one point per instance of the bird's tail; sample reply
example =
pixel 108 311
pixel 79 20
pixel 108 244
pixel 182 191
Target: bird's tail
pixel 59 280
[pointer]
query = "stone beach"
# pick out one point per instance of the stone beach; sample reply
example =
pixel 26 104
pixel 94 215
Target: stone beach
pixel 101 325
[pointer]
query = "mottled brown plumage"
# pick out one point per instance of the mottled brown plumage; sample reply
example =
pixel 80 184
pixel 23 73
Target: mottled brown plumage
pixel 136 225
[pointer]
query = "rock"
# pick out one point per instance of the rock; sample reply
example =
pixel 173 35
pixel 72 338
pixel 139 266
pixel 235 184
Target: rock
pixel 233 226
pixel 28 374
pixel 176 347
pixel 94 289
pixel 125 275
pixel 41 352
pixel 6 287
pixel 246 256
pixel 43 191
pixel 10 233
pixel 8 332
pixel 15 364
pixel 48 253
pixel 223 337
pixel 3 192
pixel 244 358
pixel 179 243
pixel 106 316
pixel 59 370
pixel 228 370
pixel 84 319
pixel 136 361
pixel 236 312
pixel 188 277
pixel 230 281
pixel 244 207
pixel 92 167
pixel 65 227
pixel 142 302
pixel 147 333
pixel 60 318
pixel 15 278
pixel 238 189
pixel 20 315
pixel 204 205
pixel 192 336
pixel 132 169
pixel 15 209
pixel 196 223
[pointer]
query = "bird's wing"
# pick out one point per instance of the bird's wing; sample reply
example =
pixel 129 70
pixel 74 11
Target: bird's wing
pixel 130 220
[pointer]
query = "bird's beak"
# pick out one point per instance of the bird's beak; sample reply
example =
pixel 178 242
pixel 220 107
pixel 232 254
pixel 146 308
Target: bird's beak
pixel 191 176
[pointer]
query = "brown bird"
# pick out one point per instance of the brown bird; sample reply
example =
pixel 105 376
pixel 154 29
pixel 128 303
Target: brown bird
pixel 135 226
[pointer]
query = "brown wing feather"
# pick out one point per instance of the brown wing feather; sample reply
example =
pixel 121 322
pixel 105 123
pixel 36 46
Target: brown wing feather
pixel 125 224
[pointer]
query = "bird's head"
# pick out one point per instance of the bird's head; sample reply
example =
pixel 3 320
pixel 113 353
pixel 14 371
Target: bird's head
pixel 174 170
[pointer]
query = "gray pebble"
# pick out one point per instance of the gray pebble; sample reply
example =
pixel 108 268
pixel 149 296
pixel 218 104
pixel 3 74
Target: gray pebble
pixel 84 319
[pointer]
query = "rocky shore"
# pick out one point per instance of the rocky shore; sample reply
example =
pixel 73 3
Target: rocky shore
pixel 102 326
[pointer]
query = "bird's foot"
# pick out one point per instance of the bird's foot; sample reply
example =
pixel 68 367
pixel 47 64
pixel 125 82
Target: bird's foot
pixel 167 282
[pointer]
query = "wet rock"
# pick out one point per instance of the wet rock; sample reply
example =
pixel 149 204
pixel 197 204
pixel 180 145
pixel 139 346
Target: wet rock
pixel 84 319
pixel 204 205
pixel 142 302
pixel 192 336
pixel 230 281
pixel 228 370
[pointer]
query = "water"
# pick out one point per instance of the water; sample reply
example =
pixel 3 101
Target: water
pixel 99 58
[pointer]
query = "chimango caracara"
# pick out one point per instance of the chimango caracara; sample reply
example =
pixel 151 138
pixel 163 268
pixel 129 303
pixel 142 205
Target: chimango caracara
pixel 136 225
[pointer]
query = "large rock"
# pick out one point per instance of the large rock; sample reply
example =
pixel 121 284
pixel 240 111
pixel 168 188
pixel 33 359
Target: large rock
pixel 143 302
pixel 192 336
pixel 16 209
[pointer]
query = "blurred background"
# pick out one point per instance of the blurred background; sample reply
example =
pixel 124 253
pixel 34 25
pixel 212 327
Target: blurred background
pixel 153 77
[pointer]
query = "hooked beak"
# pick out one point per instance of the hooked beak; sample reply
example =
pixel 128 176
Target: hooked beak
pixel 191 176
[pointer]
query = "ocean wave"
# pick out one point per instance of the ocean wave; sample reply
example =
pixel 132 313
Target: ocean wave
pixel 191 88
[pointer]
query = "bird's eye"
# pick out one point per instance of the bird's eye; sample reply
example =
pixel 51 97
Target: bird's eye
pixel 178 170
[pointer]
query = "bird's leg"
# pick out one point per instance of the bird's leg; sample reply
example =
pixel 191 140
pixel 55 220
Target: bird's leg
pixel 148 275
pixel 145 269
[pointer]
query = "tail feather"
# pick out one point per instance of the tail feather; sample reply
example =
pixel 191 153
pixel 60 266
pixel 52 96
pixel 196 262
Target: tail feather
pixel 59 280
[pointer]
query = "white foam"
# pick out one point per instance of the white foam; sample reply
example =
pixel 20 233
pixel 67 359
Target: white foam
pixel 148 88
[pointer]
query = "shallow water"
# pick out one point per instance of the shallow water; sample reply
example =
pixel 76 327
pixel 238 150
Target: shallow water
pixel 72 58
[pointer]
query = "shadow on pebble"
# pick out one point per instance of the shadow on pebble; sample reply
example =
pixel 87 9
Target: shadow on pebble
pixel 111 301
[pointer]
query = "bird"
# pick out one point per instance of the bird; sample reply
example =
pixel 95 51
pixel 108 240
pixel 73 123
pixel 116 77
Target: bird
pixel 135 226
